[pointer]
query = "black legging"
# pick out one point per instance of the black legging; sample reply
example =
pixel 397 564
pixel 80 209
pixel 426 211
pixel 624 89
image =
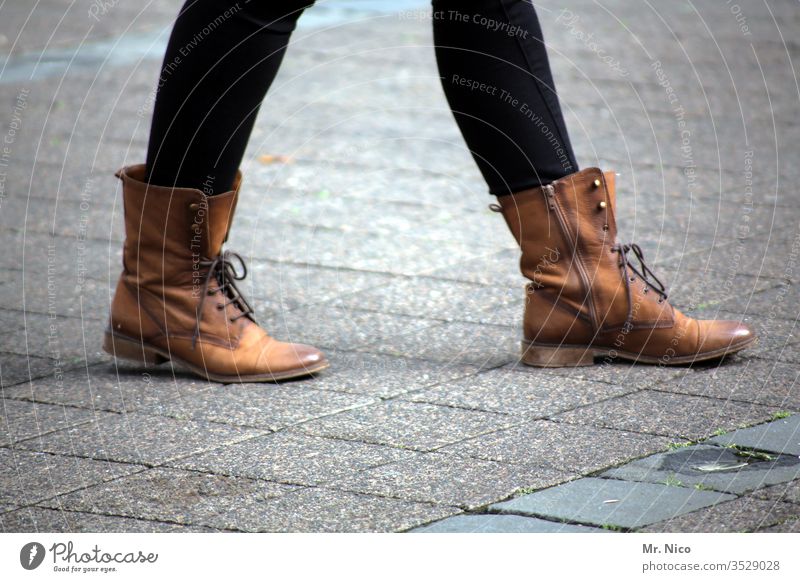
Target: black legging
pixel 223 55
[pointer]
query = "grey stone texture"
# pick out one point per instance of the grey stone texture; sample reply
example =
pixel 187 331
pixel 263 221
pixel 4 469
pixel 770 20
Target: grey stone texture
pixel 374 241
pixel 491 523
pixel 779 436
pixel 561 446
pixel 668 414
pixel 611 503
pixel 137 438
pixel 450 480
pixel 718 468
pixel 744 514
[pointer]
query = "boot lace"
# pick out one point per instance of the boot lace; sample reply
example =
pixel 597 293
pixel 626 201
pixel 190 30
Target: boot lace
pixel 222 270
pixel 643 272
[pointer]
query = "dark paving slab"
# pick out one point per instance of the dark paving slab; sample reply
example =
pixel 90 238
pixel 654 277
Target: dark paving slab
pixel 780 436
pixel 559 445
pixel 491 523
pixel 745 514
pixel 267 406
pixel 121 388
pixel 527 395
pixel 25 420
pixel 27 478
pixel 610 502
pixel 704 466
pixel 660 413
pixel 767 382
pixel 450 480
pixel 293 458
pixel 40 520
pixel 135 438
pixel 422 427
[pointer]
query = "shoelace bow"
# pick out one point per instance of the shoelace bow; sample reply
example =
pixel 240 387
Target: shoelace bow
pixel 645 274
pixel 222 270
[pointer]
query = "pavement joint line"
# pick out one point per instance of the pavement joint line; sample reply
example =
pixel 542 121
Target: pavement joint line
pixel 164 521
pixel 656 388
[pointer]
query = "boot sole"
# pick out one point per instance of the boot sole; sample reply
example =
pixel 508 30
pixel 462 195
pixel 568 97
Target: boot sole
pixel 130 349
pixel 561 356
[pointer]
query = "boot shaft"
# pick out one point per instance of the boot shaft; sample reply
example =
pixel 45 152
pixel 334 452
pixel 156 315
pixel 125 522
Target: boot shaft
pixel 168 231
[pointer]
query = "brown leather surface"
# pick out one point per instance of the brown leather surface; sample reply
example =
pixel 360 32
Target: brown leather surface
pixel 170 233
pixel 581 293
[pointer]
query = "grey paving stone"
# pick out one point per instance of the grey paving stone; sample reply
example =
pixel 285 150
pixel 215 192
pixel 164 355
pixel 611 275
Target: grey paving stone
pixel 15 368
pixel 430 298
pixel 246 504
pixel 506 391
pixel 40 520
pixel 492 523
pixel 745 514
pixel 25 420
pixel 456 343
pixel 293 458
pixel 422 427
pixel 343 328
pixel 27 477
pixel 64 341
pixel 747 379
pixel 703 466
pixel 498 269
pixel 788 526
pixel 268 406
pixel 780 436
pixel 110 387
pixel 177 496
pixel 136 438
pixel 400 255
pixel 618 372
pixel 568 448
pixel 610 502
pixel 450 480
pixel 285 286
pixel 381 375
pixel 660 413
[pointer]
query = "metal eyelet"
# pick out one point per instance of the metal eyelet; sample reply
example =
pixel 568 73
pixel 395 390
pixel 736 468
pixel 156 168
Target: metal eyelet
pixel 645 290
pixel 633 279
pixel 605 227
pixel 220 306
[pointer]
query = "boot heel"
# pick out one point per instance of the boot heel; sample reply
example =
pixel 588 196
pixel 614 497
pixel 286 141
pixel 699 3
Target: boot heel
pixel 556 356
pixel 128 349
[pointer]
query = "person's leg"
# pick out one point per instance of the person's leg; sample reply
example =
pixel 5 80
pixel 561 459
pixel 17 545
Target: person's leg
pixel 221 59
pixel 589 296
pixel 177 297
pixel 496 76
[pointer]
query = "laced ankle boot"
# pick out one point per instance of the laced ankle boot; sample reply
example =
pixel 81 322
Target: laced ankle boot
pixel 590 296
pixel 177 298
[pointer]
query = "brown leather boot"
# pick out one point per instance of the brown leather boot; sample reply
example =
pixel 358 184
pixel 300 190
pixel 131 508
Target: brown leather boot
pixel 177 297
pixel 586 297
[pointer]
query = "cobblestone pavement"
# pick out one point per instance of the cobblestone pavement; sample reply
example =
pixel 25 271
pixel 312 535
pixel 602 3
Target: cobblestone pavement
pixel 375 243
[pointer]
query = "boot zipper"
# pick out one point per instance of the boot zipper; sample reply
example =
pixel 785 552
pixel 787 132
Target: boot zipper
pixel 550 199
